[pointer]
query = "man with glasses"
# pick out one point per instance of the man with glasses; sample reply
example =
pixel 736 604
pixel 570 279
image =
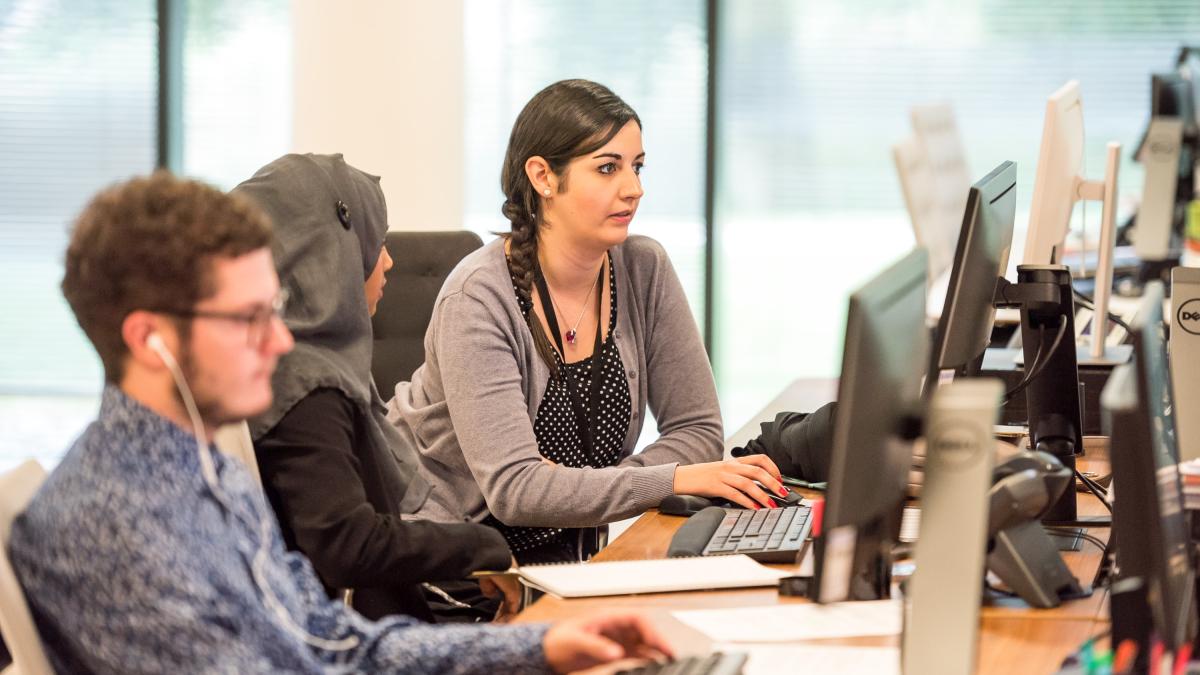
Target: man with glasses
pixel 147 551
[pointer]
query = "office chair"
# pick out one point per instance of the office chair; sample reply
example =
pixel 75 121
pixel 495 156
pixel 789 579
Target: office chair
pixel 17 487
pixel 421 263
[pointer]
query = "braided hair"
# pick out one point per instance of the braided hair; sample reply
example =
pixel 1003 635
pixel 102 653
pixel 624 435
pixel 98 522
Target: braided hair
pixel 567 119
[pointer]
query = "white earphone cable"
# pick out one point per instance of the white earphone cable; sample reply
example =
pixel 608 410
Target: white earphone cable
pixel 209 472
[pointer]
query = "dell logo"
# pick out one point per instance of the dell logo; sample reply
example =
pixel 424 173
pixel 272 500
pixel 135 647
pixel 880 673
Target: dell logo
pixel 1188 316
pixel 954 444
pixel 1163 149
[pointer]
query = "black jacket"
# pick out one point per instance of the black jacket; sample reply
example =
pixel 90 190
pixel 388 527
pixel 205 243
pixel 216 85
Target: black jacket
pixel 333 507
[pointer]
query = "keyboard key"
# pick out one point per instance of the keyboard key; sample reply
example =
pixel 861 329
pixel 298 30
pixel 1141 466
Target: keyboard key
pixel 740 528
pixel 716 663
pixel 756 523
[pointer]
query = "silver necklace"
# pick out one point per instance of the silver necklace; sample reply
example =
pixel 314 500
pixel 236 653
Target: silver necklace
pixel 572 332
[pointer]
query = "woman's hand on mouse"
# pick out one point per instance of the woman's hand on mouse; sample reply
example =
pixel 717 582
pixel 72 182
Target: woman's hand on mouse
pixel 732 479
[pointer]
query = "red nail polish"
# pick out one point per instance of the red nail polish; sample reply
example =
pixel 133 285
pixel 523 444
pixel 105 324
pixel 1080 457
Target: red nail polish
pixel 783 492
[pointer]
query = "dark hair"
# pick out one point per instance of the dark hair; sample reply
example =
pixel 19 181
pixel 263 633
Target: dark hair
pixel 565 120
pixel 149 243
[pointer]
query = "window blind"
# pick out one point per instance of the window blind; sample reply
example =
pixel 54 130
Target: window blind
pixel 813 95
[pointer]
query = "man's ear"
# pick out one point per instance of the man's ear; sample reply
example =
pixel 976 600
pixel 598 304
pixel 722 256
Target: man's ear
pixel 137 330
pixel 543 180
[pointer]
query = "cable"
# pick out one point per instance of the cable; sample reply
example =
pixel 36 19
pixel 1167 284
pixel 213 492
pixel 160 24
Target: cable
pixel 1037 358
pixel 1089 481
pixel 1094 489
pixel 1040 362
pixel 1092 539
pixel 209 473
pixel 1088 304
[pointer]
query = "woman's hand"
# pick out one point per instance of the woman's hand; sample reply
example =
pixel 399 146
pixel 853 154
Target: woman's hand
pixel 732 479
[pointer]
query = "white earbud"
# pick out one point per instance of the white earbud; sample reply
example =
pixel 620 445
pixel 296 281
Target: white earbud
pixel 155 342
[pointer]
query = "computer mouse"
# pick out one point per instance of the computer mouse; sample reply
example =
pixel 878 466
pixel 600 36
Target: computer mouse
pixel 793 498
pixel 683 505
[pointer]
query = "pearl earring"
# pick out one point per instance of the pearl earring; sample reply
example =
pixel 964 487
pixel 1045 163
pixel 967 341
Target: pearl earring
pixel 546 192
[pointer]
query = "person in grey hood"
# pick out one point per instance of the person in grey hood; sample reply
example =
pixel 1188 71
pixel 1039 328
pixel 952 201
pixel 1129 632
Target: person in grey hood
pixel 337 474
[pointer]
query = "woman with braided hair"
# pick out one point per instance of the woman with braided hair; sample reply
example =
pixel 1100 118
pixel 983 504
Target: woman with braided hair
pixel 547 346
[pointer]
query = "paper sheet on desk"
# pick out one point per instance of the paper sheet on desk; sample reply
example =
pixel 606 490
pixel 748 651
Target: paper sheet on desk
pixel 775 659
pixel 794 622
pixel 665 575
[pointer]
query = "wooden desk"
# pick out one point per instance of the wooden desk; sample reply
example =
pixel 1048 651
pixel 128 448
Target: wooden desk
pixel 1013 638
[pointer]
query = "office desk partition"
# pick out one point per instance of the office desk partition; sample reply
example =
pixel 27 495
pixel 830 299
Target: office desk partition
pixel 1013 638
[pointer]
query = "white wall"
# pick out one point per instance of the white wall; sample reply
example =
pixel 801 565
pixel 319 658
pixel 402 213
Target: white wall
pixel 381 82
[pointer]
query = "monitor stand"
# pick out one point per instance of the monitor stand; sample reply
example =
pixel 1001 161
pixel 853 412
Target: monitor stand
pixel 1053 400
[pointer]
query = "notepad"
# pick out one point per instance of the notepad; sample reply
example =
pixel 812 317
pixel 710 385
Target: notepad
pixel 626 577
pixel 773 659
pixel 793 622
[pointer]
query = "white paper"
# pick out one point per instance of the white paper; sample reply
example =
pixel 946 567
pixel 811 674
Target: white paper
pixel 794 621
pixel 775 659
pixel 650 576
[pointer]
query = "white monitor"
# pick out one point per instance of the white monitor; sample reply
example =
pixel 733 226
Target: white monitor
pixel 934 177
pixel 1060 163
pixel 1058 186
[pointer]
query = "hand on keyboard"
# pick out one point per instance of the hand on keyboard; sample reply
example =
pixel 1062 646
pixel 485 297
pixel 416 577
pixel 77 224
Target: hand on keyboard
pixel 602 637
pixel 746 481
pixel 716 663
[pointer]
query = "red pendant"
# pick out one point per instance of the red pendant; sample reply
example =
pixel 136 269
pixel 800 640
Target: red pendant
pixel 571 336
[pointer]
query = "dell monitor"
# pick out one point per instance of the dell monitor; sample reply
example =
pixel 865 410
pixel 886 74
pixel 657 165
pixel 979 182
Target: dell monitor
pixel 1167 152
pixel 934 179
pixel 878 398
pixel 1172 95
pixel 980 260
pixel 1155 586
pixel 1058 185
pixel 1060 163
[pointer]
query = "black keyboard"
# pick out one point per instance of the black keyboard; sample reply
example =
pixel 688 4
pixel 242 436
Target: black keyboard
pixel 716 663
pixel 767 535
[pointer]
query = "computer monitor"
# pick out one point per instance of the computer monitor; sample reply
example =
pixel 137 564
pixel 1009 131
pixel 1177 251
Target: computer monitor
pixel 1172 95
pixel 1156 579
pixel 1167 151
pixel 980 260
pixel 878 400
pixel 1060 163
pixel 1058 185
pixel 934 179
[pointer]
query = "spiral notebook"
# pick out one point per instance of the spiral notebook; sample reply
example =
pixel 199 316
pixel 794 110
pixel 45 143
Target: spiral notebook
pixel 627 577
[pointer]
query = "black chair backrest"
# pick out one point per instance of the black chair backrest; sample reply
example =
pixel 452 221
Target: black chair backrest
pixel 422 261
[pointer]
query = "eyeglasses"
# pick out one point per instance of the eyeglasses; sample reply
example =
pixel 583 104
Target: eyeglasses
pixel 258 322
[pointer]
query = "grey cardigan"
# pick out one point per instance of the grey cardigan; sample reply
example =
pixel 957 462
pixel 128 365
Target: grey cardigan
pixel 470 408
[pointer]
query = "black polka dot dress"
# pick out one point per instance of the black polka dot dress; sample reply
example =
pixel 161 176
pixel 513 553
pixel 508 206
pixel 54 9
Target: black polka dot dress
pixel 559 439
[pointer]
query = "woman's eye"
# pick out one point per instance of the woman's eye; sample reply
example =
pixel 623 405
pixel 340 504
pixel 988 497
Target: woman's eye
pixel 637 168
pixel 608 168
